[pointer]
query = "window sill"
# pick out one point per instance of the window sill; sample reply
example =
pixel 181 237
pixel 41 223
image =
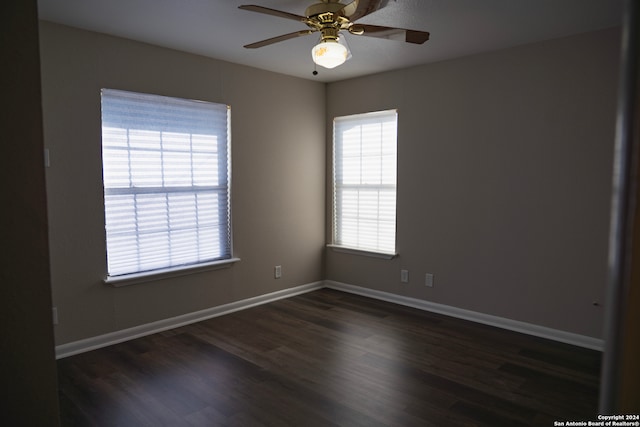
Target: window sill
pixel 165 273
pixel 354 251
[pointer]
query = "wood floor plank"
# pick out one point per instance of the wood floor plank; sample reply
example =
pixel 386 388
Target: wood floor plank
pixel 329 358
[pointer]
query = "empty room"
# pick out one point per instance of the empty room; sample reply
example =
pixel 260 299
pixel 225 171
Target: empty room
pixel 367 213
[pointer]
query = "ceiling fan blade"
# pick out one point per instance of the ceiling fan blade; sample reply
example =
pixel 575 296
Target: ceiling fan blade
pixel 273 12
pixel 279 39
pixel 359 8
pixel 399 34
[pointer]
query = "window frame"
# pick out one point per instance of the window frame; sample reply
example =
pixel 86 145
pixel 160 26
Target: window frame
pixel 355 250
pixel 192 266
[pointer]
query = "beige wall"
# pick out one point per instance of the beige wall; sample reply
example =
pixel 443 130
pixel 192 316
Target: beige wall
pixel 504 174
pixel 278 161
pixel 504 179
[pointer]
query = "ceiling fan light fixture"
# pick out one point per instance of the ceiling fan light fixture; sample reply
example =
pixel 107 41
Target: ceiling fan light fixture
pixel 329 53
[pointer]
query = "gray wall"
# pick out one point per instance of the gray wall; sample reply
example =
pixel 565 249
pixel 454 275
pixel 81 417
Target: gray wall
pixel 504 174
pixel 278 161
pixel 28 396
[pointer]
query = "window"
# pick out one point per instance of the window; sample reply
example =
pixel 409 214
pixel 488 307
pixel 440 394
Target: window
pixel 365 182
pixel 166 182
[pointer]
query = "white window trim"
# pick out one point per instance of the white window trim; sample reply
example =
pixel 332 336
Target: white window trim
pixel 361 252
pixel 166 273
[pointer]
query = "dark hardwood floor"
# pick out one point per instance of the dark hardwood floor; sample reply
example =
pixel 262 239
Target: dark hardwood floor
pixel 329 358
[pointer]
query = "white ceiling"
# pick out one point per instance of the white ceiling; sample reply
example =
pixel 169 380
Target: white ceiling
pixel 218 29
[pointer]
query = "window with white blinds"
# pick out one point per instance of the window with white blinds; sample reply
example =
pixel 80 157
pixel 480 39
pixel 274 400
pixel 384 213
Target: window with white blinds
pixel 365 182
pixel 166 182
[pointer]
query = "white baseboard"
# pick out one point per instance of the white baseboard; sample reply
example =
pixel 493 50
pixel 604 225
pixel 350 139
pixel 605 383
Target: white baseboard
pixel 500 322
pixel 88 344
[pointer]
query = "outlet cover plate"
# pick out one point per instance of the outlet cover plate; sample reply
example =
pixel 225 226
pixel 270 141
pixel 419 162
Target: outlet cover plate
pixel 428 280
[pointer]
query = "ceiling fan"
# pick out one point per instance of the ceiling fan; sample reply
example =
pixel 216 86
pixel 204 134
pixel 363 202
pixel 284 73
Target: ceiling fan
pixel 329 18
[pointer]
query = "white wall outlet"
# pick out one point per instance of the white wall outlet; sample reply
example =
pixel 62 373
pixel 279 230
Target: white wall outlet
pixel 404 276
pixel 428 280
pixel 55 315
pixel 277 271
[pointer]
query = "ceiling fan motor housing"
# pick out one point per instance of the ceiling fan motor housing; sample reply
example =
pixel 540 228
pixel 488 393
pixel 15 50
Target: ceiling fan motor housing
pixel 320 8
pixel 328 18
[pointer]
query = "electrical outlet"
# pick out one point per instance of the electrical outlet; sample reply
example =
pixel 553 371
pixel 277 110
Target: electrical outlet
pixel 277 271
pixel 404 276
pixel 428 280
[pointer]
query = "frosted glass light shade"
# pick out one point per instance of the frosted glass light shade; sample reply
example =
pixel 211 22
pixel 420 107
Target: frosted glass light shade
pixel 329 54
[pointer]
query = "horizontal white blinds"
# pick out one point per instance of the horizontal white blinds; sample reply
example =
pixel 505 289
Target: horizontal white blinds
pixel 166 181
pixel 365 181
